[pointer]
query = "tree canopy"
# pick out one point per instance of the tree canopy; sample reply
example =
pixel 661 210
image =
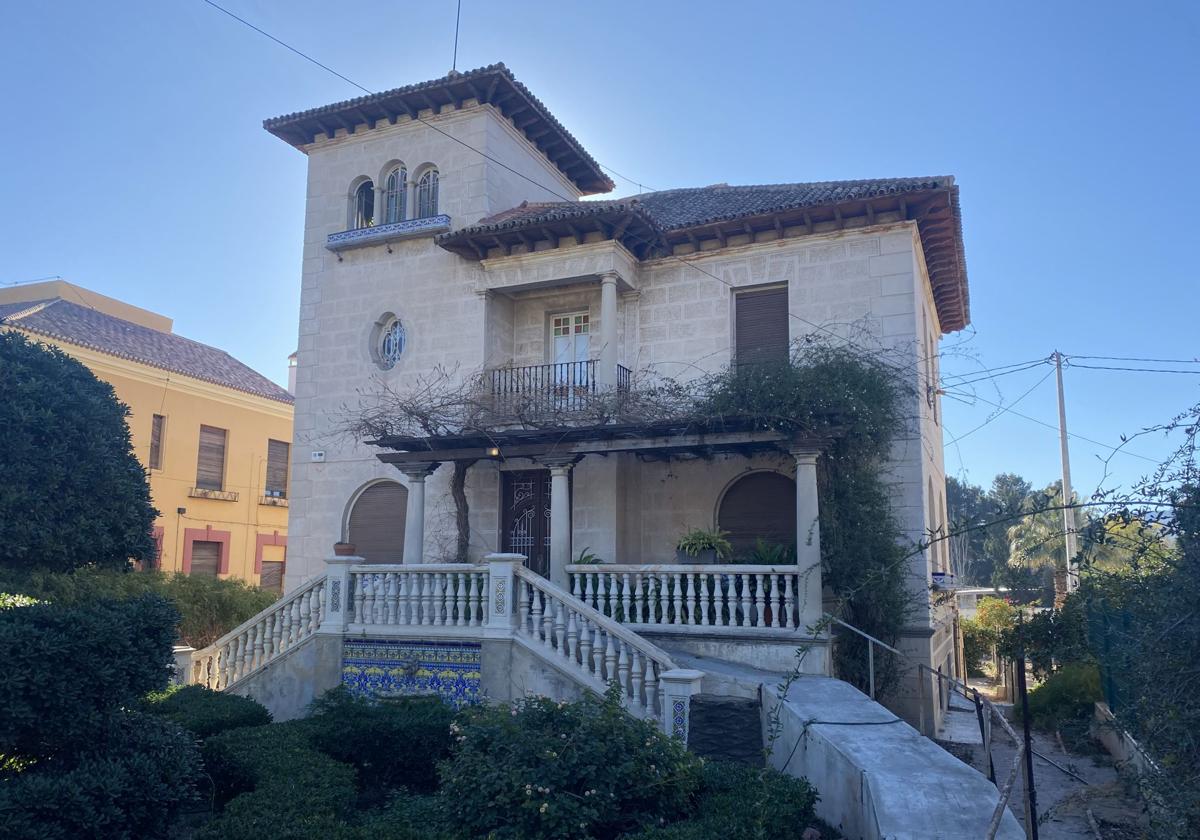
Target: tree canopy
pixel 73 492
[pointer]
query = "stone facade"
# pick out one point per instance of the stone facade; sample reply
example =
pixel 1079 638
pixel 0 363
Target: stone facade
pixel 675 316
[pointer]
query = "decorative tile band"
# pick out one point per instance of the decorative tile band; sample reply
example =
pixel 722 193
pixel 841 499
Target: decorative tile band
pixel 335 596
pixel 500 603
pixel 402 668
pixel 679 717
pixel 385 233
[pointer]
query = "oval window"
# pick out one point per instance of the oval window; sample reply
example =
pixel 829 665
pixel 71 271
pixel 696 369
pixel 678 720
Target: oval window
pixel 391 343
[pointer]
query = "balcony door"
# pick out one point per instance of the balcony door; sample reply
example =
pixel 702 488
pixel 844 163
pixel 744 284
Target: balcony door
pixel 525 516
pixel 569 335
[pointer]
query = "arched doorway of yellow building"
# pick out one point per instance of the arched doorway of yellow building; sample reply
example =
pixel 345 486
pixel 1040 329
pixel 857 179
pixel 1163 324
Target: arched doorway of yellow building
pixel 374 521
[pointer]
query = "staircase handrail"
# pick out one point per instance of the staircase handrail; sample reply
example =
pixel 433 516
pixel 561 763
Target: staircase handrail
pixel 285 601
pixel 609 625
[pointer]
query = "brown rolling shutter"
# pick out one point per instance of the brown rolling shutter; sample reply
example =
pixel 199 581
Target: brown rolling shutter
pixel 761 326
pixel 272 576
pixel 156 438
pixel 377 523
pixel 210 468
pixel 206 558
pixel 759 505
pixel 277 468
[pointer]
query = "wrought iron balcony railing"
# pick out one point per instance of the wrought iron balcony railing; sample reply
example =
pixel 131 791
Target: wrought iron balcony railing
pixel 564 386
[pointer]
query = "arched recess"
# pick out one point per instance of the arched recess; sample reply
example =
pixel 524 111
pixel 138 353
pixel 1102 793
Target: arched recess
pixel 375 521
pixel 758 504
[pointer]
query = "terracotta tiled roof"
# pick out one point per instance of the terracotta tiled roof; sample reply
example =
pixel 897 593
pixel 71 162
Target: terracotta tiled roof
pixel 86 327
pixel 494 85
pixel 650 223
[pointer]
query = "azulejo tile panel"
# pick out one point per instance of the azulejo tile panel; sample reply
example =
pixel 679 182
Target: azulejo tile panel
pixel 404 668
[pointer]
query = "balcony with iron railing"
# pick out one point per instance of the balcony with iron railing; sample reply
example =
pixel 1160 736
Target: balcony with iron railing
pixel 553 388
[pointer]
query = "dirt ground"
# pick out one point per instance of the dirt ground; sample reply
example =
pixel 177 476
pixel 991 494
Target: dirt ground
pixel 1079 793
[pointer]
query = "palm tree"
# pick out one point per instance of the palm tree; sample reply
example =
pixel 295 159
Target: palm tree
pixel 1037 541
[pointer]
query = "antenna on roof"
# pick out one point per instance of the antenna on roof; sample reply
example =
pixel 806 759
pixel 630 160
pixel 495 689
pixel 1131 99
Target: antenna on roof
pixel 457 20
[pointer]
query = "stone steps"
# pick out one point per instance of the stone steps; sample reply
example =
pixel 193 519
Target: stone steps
pixel 726 729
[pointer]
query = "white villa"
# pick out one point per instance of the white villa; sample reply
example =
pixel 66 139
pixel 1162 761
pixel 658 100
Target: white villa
pixel 444 231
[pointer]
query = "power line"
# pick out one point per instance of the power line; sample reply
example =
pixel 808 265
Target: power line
pixel 1027 362
pixel 1070 356
pixel 992 376
pixel 1132 369
pixel 965 398
pixel 1004 410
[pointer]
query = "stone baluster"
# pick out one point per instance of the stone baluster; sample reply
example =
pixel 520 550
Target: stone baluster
pixel 610 658
pixel 747 603
pixel 572 636
pixel 473 600
pixel 387 613
pixel 789 601
pixel 703 598
pixel 637 676
pixel 285 627
pixel 623 666
pixel 560 626
pixel 626 600
pixel 259 646
pixel 777 594
pixel 678 600
pixel 585 643
pixel 598 652
pixel 691 599
pixel 535 612
pixel 441 599
pixel 269 647
pixel 461 599
pixel 760 606
pixel 426 583
pixel 639 599
pixel 718 600
pixel 370 597
pixel 549 609
pixel 651 688
pixel 664 608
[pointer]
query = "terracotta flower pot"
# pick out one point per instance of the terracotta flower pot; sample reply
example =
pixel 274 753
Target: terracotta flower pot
pixel 344 549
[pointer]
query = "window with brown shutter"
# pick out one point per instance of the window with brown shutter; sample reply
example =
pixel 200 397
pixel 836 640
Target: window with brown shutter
pixel 761 326
pixel 376 524
pixel 156 441
pixel 210 468
pixel 277 468
pixel 206 558
pixel 271 577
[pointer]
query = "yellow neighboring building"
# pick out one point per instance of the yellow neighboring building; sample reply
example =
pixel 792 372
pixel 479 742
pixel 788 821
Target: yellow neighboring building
pixel 214 435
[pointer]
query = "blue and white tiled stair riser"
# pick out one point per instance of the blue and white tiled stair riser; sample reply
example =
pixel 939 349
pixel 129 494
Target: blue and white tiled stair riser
pixel 399 668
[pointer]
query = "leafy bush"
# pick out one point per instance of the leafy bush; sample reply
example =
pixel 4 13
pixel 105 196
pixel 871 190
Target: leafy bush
pixel 737 802
pixel 208 607
pixel 699 540
pixel 405 817
pixel 392 743
pixel 977 646
pixel 276 785
pixel 541 769
pixel 11 602
pixel 1068 695
pixel 67 669
pixel 73 492
pixel 1050 637
pixel 204 713
pixel 130 783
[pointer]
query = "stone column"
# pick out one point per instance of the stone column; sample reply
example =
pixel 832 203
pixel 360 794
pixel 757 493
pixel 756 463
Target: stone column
pixel 678 686
pixel 808 538
pixel 501 593
pixel 606 373
pixel 560 516
pixel 414 520
pixel 339 599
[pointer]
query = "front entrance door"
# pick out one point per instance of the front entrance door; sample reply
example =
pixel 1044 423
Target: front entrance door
pixel 525 516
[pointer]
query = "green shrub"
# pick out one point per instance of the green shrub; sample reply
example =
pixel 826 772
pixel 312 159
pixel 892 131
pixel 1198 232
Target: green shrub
pixel 68 669
pixel 204 713
pixel 11 602
pixel 130 783
pixel 738 802
pixel 977 646
pixel 405 817
pixel 73 493
pixel 392 743
pixel 276 784
pixel 541 769
pixel 208 607
pixel 1052 637
pixel 1067 696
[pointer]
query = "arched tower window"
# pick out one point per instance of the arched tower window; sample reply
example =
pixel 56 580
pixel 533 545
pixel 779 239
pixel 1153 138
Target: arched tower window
pixel 364 205
pixel 394 195
pixel 427 194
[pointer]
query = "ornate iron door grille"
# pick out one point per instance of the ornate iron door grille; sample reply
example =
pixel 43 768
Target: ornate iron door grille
pixel 525 505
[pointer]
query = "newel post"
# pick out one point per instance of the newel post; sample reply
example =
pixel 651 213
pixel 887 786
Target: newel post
pixel 678 686
pixel 339 596
pixel 502 591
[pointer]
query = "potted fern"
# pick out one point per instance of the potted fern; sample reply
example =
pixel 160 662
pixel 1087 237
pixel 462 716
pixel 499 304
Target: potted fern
pixel 699 546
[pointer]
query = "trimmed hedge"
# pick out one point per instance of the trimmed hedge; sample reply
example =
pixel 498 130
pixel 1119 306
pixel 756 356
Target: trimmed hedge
pixel 276 785
pixel 738 802
pixel 541 769
pixel 130 786
pixel 66 670
pixel 391 743
pixel 204 712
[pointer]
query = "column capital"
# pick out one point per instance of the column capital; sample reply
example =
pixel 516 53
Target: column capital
pixel 558 462
pixel 609 277
pixel 806 455
pixel 418 470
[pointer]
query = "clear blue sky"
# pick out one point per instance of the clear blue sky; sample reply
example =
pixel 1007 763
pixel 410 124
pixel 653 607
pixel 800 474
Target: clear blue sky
pixel 134 161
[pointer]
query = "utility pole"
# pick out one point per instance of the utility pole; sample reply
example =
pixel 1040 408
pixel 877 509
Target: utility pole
pixel 1068 510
